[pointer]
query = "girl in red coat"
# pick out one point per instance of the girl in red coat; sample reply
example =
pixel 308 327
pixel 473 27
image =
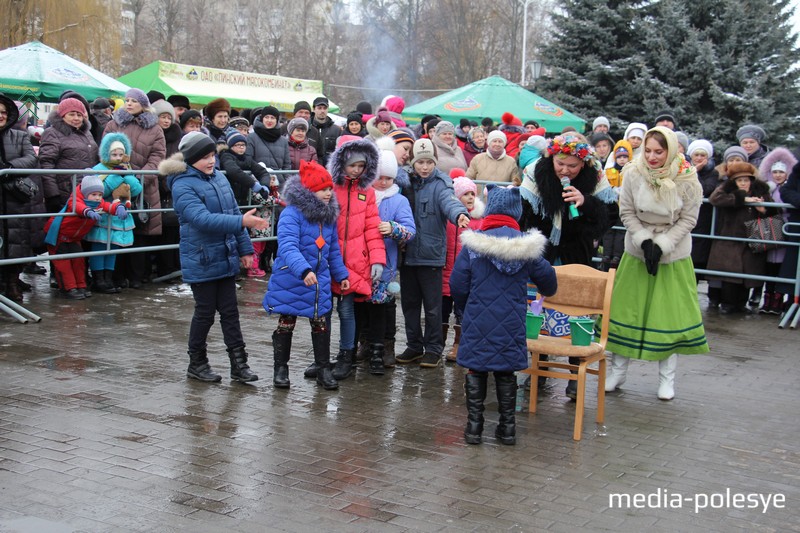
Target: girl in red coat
pixel 353 167
pixel 467 192
pixel 64 234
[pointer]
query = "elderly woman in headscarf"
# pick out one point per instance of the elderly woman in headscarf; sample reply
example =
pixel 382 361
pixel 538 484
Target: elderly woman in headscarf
pixel 450 155
pixel 659 204
pixel 475 144
pixel 494 164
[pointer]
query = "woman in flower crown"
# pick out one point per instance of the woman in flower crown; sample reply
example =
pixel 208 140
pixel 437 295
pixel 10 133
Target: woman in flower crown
pixel 659 205
pixel 568 174
pixel 547 200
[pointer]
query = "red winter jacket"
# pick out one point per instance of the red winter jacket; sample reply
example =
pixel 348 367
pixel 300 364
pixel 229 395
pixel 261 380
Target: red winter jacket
pixel 74 229
pixel 454 242
pixel 359 240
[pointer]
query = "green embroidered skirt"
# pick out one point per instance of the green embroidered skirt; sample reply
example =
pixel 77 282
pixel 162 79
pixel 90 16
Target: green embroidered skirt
pixel 653 317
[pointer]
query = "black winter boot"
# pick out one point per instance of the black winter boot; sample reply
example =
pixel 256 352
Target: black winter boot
pixel 376 360
pixel 109 277
pixel 344 364
pixel 475 389
pixel 311 371
pixel 506 385
pixel 282 345
pixel 98 282
pixel 322 360
pixel 572 387
pixel 389 360
pixel 240 370
pixel 200 369
pixel 362 352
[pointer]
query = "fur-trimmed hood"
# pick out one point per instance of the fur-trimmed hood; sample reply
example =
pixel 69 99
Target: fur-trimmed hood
pixel 506 248
pixel 105 145
pixel 146 119
pixel 57 122
pixel 312 208
pixel 778 154
pixel 338 160
pixel 173 165
pixel 13 112
pixel 477 209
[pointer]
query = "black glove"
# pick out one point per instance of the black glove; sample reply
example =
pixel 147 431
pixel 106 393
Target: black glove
pixel 652 255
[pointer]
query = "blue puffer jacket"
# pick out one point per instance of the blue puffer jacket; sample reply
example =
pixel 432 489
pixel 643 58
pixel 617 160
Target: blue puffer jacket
pixel 489 283
pixel 304 220
pixel 394 208
pixel 433 203
pixel 212 236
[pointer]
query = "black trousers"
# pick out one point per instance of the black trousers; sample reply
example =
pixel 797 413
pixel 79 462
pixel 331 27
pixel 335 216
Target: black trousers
pixel 371 321
pixel 421 287
pixel 211 297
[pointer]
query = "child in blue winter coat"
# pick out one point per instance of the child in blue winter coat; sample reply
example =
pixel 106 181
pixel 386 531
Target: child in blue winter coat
pixel 489 283
pixel 307 262
pixel 115 151
pixel 213 245
pixel 397 227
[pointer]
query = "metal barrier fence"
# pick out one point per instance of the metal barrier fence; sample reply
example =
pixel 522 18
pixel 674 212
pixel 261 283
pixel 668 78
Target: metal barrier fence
pixel 10 307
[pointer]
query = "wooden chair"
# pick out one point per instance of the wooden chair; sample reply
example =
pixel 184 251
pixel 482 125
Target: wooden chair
pixel 582 290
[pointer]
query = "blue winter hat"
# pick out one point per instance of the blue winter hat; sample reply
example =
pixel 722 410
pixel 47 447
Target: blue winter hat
pixel 234 137
pixel 503 201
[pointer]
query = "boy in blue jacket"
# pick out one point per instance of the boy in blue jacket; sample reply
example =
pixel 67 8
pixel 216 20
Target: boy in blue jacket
pixel 489 283
pixel 308 260
pixel 213 244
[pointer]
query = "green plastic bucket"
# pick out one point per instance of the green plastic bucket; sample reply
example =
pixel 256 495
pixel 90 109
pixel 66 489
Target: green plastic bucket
pixel 582 331
pixel 533 324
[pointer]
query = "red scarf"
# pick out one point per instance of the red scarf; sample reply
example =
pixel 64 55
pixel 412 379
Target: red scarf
pixel 498 221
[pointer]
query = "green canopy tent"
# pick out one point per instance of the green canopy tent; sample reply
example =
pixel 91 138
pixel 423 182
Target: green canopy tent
pixel 242 89
pixel 34 71
pixel 491 97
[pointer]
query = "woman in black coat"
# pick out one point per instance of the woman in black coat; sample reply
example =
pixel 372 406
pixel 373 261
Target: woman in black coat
pixel 17 234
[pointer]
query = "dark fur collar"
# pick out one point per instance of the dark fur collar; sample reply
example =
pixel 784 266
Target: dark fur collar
pixel 336 165
pixel 549 184
pixel 312 208
pixel 757 188
pixel 145 119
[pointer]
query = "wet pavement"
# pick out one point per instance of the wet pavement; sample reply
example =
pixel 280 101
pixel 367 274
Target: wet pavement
pixel 101 431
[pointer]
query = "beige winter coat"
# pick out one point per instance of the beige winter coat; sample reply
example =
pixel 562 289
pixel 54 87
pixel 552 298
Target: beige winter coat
pixel 483 167
pixel 646 218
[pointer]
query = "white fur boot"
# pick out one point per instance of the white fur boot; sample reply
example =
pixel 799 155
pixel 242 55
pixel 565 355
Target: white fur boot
pixel 618 373
pixel 666 377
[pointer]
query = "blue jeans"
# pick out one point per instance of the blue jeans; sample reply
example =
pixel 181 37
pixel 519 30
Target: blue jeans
pixel 347 322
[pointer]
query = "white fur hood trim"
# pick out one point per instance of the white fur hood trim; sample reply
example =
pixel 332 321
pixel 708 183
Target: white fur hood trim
pixel 528 247
pixel 477 209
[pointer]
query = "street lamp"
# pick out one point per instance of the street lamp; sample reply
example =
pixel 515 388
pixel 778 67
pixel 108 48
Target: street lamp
pixel 524 40
pixel 536 69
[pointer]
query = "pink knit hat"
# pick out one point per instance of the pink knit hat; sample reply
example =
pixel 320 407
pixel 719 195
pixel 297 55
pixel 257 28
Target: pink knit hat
pixel 70 104
pixel 463 185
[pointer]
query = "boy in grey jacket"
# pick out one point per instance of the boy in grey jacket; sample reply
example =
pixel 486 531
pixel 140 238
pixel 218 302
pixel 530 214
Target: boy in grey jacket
pixel 433 204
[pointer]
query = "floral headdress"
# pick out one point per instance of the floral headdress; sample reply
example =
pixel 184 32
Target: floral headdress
pixel 573 145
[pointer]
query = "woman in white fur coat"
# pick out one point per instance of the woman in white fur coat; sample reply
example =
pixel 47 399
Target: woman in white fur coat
pixel 655 314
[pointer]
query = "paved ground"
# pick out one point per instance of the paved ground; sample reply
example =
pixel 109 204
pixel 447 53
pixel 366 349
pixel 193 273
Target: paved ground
pixel 101 431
